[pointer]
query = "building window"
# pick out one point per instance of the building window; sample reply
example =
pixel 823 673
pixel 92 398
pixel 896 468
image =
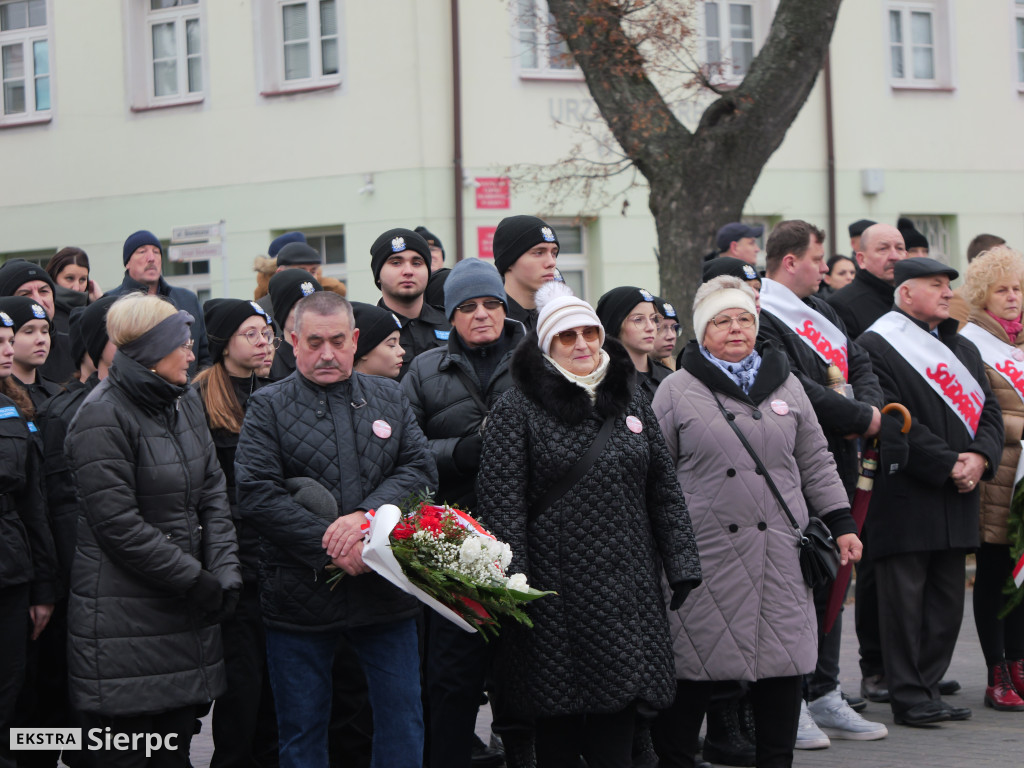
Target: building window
pixel 330 244
pixel 300 44
pixel 572 258
pixel 733 33
pixel 24 61
pixel 937 231
pixel 540 50
pixel 166 52
pixel 919 49
pixel 1019 33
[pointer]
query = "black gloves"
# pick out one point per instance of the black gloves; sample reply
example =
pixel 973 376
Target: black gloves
pixel 467 453
pixel 206 593
pixel 680 590
pixel 231 598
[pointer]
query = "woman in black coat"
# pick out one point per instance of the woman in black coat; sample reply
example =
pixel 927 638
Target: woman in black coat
pixel 156 558
pixel 600 647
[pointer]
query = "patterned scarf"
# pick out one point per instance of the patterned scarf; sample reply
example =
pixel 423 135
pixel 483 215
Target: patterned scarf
pixel 742 373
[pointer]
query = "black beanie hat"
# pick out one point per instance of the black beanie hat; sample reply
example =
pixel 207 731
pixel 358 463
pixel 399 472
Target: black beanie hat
pixel 515 235
pixel 288 287
pixel 728 265
pixel 857 228
pixel 138 239
pixel 297 253
pixel 92 328
pixel 396 241
pixel 223 316
pixel 375 324
pixel 16 272
pixel 665 309
pixel 22 309
pixel 614 307
pixel 432 240
pixel 911 237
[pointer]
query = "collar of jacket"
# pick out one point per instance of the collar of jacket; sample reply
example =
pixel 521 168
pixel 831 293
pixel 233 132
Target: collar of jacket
pixel 982 318
pixel 65 299
pixel 513 331
pixel 429 315
pixel 130 284
pixel 875 284
pixel 774 370
pixel 947 328
pixel 554 393
pixel 150 391
pixel 350 385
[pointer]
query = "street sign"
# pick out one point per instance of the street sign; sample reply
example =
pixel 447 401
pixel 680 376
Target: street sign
pixel 195 252
pixel 196 232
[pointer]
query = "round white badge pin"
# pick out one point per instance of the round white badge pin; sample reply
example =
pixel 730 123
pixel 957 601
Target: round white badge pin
pixel 781 407
pixel 634 424
pixel 382 429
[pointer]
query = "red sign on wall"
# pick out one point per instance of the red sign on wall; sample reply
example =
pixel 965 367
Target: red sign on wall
pixel 485 242
pixel 493 192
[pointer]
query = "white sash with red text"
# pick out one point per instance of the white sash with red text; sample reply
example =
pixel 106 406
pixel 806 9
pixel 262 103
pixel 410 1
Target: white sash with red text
pixel 936 364
pixel 1005 359
pixel 818 332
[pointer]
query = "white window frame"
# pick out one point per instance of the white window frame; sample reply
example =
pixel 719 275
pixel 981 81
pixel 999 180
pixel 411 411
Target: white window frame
pixel 270 58
pixel 1018 44
pixel 938 231
pixel 541 24
pixel 27 38
pixel 941 13
pixel 316 238
pixel 572 261
pixel 139 23
pixel 721 72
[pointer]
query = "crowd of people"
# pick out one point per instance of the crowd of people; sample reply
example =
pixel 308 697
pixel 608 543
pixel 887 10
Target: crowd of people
pixel 180 481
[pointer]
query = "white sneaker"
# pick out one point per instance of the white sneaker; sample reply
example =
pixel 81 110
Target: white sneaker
pixel 834 716
pixel 808 734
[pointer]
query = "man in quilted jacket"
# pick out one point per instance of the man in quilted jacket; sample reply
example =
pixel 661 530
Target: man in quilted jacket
pixel 357 438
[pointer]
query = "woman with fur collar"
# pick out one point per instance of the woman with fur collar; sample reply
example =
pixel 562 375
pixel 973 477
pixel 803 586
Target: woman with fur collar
pixel 599 648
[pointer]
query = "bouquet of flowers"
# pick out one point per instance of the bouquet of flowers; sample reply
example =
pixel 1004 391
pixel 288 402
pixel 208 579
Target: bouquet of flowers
pixel 447 560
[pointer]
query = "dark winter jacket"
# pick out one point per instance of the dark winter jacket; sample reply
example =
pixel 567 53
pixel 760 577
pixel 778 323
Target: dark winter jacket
pixel 838 416
pixel 154 514
pixel 449 404
pixel 753 617
pixel 919 509
pixel 284 362
pixel 297 428
pixel 53 421
pixel 862 302
pixel 26 544
pixel 602 642
pixel 516 311
pixel 648 382
pixel 39 391
pixel 182 298
pixel 59 366
pixel 419 334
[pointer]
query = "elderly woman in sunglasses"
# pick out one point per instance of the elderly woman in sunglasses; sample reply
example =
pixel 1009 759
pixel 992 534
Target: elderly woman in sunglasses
pixel 753 617
pixel 575 476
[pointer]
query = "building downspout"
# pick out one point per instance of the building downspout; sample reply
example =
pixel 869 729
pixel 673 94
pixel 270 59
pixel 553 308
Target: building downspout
pixel 457 130
pixel 831 153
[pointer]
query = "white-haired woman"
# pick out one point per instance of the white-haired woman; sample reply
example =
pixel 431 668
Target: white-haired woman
pixel 753 617
pixel 600 530
pixel 994 288
pixel 156 557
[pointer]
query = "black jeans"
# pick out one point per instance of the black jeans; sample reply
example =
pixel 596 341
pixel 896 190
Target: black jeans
pixel 866 615
pixel 776 705
pixel 1000 638
pixel 604 740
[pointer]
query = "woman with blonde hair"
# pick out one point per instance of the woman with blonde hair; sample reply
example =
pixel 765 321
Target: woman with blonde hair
pixel 993 288
pixel 156 559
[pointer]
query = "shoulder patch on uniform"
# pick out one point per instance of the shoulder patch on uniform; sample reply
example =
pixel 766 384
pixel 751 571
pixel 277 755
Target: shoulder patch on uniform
pixel 442 335
pixel 10 412
pixel 32 427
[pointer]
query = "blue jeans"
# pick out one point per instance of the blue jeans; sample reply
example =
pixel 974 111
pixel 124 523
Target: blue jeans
pixel 300 663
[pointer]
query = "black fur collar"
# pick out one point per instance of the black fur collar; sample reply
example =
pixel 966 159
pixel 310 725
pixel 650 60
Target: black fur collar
pixel 560 397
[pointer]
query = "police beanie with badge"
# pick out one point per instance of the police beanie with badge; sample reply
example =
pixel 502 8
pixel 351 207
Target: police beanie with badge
pixel 16 272
pixel 515 235
pixel 22 309
pixel 92 327
pixel 614 307
pixel 375 324
pixel 138 239
pixel 665 309
pixel 395 241
pixel 728 265
pixel 718 294
pixel 288 287
pixel 432 240
pixel 559 309
pixel 223 317
pixel 281 241
pixel 472 279
pixel 297 254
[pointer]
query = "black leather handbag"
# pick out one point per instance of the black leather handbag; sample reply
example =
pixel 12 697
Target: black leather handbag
pixel 819 556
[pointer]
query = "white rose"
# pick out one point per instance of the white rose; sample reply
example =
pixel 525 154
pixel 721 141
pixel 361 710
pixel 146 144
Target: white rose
pixel 517 582
pixel 506 556
pixel 471 550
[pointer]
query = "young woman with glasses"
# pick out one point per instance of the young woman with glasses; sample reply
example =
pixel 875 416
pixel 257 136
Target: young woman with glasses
pixel 631 315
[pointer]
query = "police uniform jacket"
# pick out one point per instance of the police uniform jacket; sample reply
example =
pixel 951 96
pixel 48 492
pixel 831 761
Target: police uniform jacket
pixel 418 334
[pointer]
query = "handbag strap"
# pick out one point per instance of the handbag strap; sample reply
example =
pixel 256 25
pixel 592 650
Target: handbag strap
pixel 574 475
pixel 731 419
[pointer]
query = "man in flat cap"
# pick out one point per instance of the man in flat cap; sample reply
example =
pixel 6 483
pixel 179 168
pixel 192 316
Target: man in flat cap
pixel 525 253
pixel 923 519
pixel 738 240
pixel 401 260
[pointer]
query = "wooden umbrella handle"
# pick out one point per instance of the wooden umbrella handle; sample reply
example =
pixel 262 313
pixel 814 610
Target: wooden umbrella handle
pixel 902 411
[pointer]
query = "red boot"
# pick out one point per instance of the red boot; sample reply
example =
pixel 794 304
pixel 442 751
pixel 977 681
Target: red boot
pixel 1016 668
pixel 1001 695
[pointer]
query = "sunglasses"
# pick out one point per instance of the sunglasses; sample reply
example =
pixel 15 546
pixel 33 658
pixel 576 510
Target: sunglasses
pixel 568 338
pixel 470 306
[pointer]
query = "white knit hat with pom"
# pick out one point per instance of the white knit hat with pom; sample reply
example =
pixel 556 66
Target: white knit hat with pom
pixel 559 310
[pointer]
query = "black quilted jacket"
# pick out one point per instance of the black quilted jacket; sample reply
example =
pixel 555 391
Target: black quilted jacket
pixel 296 428
pixel 602 641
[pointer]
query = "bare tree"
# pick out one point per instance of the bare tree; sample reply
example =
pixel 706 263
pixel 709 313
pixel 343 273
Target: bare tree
pixel 700 178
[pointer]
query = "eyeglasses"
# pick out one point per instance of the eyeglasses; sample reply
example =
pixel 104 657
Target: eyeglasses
pixel 676 328
pixel 568 338
pixel 743 320
pixel 253 337
pixel 471 306
pixel 642 321
pixel 187 346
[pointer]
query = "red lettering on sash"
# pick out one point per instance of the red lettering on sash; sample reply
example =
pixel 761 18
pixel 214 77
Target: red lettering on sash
pixel 969 406
pixel 1014 374
pixel 825 349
